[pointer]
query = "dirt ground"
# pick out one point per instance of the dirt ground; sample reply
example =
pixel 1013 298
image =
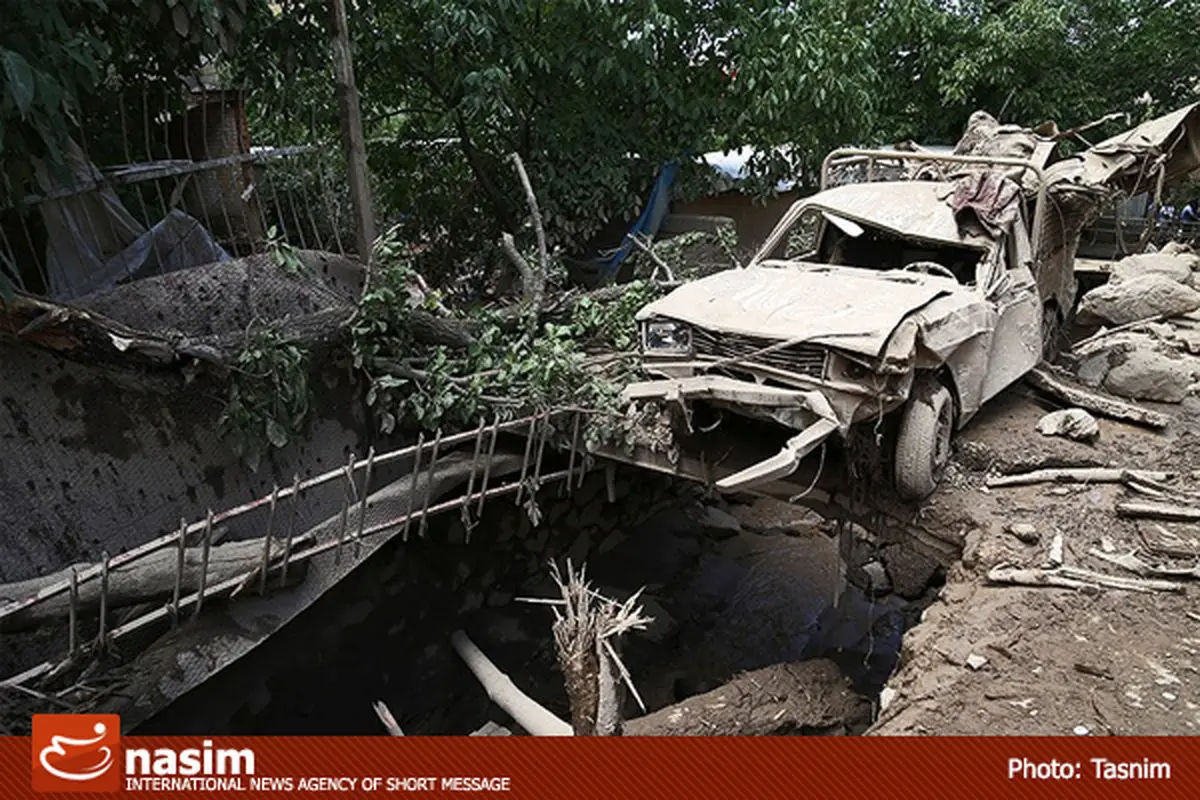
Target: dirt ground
pixel 1058 661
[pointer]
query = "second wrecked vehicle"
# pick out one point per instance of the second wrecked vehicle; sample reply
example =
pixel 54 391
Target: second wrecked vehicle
pixel 916 298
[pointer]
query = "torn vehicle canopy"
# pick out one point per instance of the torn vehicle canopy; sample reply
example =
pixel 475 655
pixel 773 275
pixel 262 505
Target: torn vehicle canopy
pixel 1157 137
pixel 994 199
pixel 858 308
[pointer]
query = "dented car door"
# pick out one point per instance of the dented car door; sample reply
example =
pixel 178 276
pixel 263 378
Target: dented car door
pixel 1017 340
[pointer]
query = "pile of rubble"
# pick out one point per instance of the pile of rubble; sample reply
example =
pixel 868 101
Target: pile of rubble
pixel 1148 346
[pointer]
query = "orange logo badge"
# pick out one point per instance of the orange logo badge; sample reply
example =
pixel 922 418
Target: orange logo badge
pixel 76 753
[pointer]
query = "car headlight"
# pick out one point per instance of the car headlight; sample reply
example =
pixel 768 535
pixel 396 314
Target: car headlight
pixel 666 336
pixel 848 369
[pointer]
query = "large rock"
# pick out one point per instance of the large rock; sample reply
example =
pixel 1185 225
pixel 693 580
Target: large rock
pixel 717 523
pixel 1136 299
pixel 1150 374
pixel 910 571
pixel 1073 423
pixel 1176 266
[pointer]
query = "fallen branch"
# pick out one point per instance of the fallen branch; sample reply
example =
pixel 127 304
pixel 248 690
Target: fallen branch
pixel 1048 380
pixel 430 329
pixel 1104 333
pixel 385 716
pixel 1135 565
pixel 1163 511
pixel 492 729
pixel 1080 475
pixel 533 277
pixel 533 292
pixel 658 262
pixel 149 579
pixel 1168 544
pixel 1147 484
pixel 1075 578
pixel 525 711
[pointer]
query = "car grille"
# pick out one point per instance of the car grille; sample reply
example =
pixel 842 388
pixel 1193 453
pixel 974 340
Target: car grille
pixel 804 359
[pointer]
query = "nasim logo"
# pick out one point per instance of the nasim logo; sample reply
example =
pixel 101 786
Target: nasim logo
pixel 83 753
pixel 76 753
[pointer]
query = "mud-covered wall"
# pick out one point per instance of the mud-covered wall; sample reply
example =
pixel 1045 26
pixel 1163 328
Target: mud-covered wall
pixel 96 459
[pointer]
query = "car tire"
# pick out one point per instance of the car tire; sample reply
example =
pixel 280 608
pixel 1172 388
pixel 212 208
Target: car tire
pixel 923 443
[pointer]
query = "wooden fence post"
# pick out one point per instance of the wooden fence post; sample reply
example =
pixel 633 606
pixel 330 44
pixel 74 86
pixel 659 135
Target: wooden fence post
pixel 353 141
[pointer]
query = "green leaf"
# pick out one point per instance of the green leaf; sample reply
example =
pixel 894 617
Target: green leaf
pixel 277 435
pixel 21 80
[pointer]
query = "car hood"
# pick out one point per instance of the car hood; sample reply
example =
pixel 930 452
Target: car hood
pixel 842 307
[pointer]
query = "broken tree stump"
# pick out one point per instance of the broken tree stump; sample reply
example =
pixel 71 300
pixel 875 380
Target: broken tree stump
pixel 584 636
pixel 148 579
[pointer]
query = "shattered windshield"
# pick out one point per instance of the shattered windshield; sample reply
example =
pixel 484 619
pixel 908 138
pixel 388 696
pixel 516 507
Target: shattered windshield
pixel 823 238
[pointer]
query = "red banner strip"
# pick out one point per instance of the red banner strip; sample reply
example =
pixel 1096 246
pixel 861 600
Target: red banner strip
pixel 576 769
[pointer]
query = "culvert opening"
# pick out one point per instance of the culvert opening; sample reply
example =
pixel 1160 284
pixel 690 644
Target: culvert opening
pixel 754 601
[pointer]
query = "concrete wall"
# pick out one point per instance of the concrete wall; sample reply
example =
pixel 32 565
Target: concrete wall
pixel 97 459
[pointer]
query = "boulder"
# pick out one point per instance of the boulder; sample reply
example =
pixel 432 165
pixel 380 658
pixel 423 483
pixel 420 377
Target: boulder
pixel 1136 299
pixel 1177 267
pixel 1024 532
pixel 1072 423
pixel 911 571
pixel 1150 374
pixel 717 523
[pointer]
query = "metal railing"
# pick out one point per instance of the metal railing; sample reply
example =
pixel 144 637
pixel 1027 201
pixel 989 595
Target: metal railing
pixel 279 552
pixel 157 183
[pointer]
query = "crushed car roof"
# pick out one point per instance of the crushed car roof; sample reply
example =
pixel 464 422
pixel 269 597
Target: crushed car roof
pixel 910 208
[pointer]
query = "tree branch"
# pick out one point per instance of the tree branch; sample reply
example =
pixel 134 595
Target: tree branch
pixel 535 285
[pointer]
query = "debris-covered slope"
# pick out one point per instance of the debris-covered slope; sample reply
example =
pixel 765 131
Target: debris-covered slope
pixel 990 659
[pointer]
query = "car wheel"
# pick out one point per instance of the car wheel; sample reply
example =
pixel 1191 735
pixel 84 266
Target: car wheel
pixel 923 444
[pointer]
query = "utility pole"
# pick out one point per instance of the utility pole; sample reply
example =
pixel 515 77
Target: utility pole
pixel 353 141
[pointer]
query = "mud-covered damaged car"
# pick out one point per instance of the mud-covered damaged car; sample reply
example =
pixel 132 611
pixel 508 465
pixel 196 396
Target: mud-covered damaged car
pixel 915 298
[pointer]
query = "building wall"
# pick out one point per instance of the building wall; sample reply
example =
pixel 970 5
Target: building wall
pixel 754 220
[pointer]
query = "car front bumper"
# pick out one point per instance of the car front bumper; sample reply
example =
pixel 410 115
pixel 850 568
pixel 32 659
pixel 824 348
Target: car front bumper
pixel 812 408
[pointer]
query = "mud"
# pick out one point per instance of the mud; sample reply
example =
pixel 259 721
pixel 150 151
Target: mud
pixel 1113 662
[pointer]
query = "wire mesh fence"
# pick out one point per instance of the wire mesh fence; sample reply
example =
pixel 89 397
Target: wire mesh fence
pixel 166 213
pixel 161 181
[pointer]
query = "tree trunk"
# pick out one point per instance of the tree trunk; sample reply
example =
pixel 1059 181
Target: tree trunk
pixel 149 579
pixel 353 140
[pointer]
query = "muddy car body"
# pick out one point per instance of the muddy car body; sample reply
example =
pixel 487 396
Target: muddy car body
pixel 912 298
pixel 899 306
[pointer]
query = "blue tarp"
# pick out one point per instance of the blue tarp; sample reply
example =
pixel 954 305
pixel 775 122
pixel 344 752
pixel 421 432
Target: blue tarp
pixel 647 224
